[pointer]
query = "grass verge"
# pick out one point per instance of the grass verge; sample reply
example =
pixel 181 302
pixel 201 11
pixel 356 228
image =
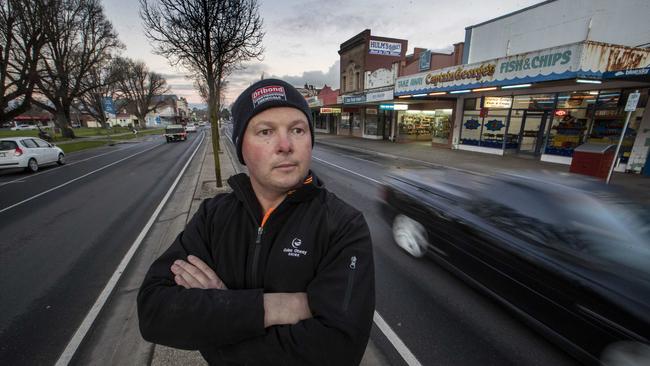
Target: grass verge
pixel 82 145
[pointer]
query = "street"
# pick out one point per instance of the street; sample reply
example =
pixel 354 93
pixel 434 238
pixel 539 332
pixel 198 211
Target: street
pixel 65 229
pixel 441 319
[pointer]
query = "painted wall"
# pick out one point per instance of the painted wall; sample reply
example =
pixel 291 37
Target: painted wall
pixel 561 22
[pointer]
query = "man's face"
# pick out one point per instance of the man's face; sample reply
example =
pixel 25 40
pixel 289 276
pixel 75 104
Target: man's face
pixel 277 149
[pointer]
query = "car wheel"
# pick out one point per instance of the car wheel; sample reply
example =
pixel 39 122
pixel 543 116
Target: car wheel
pixel 32 166
pixel 61 159
pixel 410 235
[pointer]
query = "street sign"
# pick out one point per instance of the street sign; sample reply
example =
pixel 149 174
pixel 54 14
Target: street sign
pixel 107 104
pixel 632 101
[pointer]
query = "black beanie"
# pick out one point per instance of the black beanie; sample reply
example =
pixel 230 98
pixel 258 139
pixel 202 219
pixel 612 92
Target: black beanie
pixel 263 95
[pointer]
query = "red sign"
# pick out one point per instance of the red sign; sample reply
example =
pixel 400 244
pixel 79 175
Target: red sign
pixel 560 113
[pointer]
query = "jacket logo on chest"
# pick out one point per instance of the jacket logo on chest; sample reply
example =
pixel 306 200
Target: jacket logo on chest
pixel 294 250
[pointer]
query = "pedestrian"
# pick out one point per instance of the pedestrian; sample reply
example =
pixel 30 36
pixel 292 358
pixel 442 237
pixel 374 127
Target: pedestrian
pixel 279 271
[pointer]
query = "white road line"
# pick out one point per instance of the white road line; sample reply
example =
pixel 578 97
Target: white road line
pixel 88 321
pixel 74 180
pixel 66 165
pixel 347 170
pixel 406 354
pixel 400 347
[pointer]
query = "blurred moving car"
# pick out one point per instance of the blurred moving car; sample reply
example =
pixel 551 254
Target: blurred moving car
pixel 175 133
pixel 190 128
pixel 23 128
pixel 565 252
pixel 29 153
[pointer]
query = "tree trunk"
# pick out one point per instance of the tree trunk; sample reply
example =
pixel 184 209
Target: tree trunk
pixel 213 111
pixel 63 122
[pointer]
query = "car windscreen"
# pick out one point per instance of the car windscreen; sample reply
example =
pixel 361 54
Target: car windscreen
pixel 174 130
pixel 572 221
pixel 8 145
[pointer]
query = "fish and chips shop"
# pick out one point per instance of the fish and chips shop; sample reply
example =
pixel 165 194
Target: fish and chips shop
pixel 545 103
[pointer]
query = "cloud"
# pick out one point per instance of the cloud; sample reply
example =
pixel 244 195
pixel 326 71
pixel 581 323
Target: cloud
pixel 316 78
pixel 241 79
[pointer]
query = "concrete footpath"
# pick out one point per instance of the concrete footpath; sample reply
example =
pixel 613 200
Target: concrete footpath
pixel 637 186
pixel 115 337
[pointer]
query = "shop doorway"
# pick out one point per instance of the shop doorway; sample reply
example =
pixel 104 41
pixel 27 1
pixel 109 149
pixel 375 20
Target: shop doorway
pixel 531 135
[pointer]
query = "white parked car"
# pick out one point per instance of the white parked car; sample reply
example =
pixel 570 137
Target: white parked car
pixel 190 128
pixel 23 127
pixel 28 153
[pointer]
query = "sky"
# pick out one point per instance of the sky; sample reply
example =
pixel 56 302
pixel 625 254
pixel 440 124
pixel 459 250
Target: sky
pixel 302 38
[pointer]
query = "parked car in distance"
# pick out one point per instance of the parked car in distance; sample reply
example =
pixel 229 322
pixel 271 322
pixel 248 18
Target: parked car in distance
pixel 175 133
pixel 23 127
pixel 29 153
pixel 566 253
pixel 190 128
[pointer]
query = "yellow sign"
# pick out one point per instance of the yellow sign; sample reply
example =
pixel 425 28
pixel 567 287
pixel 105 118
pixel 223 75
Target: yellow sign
pixel 330 110
pixel 477 73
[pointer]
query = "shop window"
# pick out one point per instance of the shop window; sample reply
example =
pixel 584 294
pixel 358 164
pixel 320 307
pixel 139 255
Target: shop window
pixel 356 121
pixel 610 117
pixel 534 101
pixel 320 122
pixel 371 125
pixel 567 131
pixel 608 99
pixel 494 130
pixel 472 104
pixel 470 133
pixel 416 125
pixel 441 127
pixel 345 122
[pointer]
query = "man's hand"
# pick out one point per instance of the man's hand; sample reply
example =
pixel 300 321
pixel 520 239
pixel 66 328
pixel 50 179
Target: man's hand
pixel 285 308
pixel 196 274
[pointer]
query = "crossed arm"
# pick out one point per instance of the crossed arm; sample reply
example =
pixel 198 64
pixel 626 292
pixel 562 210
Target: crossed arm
pixel 279 308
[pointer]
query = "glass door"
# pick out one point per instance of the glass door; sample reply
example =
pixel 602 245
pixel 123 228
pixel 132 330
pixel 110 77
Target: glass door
pixel 531 135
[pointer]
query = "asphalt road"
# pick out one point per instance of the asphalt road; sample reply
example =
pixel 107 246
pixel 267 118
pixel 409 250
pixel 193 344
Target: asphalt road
pixel 441 320
pixel 64 230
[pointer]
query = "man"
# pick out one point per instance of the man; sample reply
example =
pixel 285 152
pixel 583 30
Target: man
pixel 278 272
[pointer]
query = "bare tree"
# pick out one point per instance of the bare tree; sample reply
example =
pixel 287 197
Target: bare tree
pixel 101 83
pixel 142 88
pixel 21 38
pixel 209 38
pixel 80 38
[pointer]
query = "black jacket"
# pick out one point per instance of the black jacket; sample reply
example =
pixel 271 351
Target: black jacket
pixel 312 242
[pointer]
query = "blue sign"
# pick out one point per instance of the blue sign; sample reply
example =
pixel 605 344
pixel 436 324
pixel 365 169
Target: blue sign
pixel 107 104
pixel 425 60
pixel 494 125
pixel 472 124
pixel 642 74
pixel 354 99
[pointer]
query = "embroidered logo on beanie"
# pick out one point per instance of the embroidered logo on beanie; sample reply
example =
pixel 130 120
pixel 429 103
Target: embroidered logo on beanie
pixel 268 93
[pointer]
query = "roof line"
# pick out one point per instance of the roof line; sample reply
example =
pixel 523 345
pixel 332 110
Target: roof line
pixel 510 14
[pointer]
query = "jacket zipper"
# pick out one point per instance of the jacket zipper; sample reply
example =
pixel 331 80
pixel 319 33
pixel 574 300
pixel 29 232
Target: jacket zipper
pixel 256 255
pixel 348 291
pixel 258 247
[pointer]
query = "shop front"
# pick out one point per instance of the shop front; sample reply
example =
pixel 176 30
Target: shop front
pixel 425 122
pixel 549 125
pixel 541 104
